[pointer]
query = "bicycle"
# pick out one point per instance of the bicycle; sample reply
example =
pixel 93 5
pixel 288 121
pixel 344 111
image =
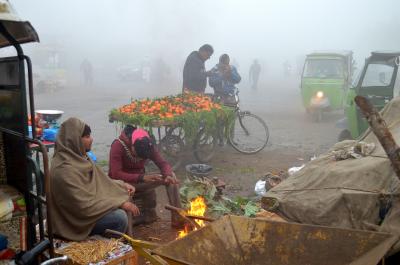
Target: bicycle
pixel 247 133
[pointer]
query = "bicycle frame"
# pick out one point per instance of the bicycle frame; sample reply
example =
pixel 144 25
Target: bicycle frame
pixel 211 140
pixel 239 113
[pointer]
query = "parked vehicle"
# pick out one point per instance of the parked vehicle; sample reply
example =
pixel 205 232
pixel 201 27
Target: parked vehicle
pixel 325 80
pixel 128 73
pixel 377 82
pixel 49 72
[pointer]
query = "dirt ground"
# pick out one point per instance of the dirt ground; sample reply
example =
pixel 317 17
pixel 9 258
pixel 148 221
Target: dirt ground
pixel 294 137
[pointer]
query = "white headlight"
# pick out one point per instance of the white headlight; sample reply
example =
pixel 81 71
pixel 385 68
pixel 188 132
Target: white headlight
pixel 320 94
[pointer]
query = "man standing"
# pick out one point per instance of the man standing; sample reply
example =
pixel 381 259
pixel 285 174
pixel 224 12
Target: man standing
pixel 194 71
pixel 223 79
pixel 254 74
pixel 87 71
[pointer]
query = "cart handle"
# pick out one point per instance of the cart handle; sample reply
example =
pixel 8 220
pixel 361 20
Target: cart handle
pixel 142 247
pixel 133 242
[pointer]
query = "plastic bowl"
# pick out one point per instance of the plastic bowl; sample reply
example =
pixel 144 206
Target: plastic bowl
pixel 49 115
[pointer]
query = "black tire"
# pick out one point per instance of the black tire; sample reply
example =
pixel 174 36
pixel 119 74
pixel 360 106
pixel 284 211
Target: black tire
pixel 41 87
pixel 172 148
pixel 248 134
pixel 204 146
pixel 344 135
pixel 317 116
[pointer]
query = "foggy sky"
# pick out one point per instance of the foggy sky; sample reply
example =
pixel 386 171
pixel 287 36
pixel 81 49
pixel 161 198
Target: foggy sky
pixel 109 32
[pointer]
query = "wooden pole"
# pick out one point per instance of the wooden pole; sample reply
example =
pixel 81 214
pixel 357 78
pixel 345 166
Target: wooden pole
pixel 208 219
pixel 182 213
pixel 380 129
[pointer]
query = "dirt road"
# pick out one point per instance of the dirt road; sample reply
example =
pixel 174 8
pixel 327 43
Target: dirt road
pixel 277 101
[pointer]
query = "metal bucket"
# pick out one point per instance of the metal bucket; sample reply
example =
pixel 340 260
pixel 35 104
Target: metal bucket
pixel 198 170
pixel 235 240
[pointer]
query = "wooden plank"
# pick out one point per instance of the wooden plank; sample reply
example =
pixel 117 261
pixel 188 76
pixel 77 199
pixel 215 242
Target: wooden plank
pixel 130 258
pixel 380 129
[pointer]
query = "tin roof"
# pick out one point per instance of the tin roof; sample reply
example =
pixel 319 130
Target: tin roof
pixel 22 31
pixel 343 53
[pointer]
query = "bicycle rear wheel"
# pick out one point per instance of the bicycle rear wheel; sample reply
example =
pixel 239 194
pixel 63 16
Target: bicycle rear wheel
pixel 248 134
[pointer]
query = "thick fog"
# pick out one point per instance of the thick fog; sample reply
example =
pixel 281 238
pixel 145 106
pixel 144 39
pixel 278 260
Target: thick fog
pixel 126 32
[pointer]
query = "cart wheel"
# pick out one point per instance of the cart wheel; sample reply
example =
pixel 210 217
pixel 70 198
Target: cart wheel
pixel 177 131
pixel 172 147
pixel 204 146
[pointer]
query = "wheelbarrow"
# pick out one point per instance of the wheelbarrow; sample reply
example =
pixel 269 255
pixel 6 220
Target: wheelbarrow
pixel 234 240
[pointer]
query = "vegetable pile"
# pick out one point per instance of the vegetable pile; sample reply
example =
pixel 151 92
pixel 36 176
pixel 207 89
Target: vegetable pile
pixel 170 107
pixel 216 205
pixel 185 110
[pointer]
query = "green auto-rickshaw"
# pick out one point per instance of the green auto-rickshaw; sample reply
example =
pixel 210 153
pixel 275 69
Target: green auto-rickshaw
pixel 325 80
pixel 378 82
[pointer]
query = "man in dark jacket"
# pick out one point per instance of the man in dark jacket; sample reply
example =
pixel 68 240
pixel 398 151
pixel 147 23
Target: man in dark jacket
pixel 194 71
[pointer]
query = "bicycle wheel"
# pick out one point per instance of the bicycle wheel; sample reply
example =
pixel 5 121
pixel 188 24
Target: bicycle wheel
pixel 172 147
pixel 248 134
pixel 204 146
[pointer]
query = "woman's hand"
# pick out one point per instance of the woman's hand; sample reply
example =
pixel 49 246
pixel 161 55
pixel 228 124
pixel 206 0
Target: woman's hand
pixel 131 207
pixel 130 189
pixel 171 179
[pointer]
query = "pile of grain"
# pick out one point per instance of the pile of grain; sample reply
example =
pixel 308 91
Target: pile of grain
pixel 91 251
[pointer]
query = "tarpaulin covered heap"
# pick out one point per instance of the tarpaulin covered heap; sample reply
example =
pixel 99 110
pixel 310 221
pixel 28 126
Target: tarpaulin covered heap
pixel 351 186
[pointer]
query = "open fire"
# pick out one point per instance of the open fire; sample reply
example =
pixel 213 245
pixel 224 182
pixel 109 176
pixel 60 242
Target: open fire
pixel 198 207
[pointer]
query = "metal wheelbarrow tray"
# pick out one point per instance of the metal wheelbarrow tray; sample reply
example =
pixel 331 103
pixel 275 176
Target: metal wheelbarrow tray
pixel 235 240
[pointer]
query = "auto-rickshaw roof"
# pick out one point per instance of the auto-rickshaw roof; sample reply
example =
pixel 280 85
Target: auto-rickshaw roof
pixel 22 31
pixel 330 53
pixel 384 55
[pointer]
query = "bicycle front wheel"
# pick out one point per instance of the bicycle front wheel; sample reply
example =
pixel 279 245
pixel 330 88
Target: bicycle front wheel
pixel 248 134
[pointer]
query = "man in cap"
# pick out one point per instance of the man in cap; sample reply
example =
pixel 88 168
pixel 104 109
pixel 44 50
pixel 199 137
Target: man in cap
pixel 194 71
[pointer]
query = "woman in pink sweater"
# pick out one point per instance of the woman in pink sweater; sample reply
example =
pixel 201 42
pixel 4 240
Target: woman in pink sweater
pixel 128 156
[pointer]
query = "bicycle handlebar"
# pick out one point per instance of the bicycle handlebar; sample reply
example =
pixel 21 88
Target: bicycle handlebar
pixel 51 261
pixel 29 256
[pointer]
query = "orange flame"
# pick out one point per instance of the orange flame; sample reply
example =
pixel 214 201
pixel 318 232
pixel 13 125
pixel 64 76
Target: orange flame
pixel 198 207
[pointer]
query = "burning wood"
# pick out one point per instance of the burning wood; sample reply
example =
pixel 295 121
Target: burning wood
pixel 198 208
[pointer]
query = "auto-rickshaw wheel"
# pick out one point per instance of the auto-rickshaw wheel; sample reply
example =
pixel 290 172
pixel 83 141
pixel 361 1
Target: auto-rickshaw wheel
pixel 345 135
pixel 316 115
